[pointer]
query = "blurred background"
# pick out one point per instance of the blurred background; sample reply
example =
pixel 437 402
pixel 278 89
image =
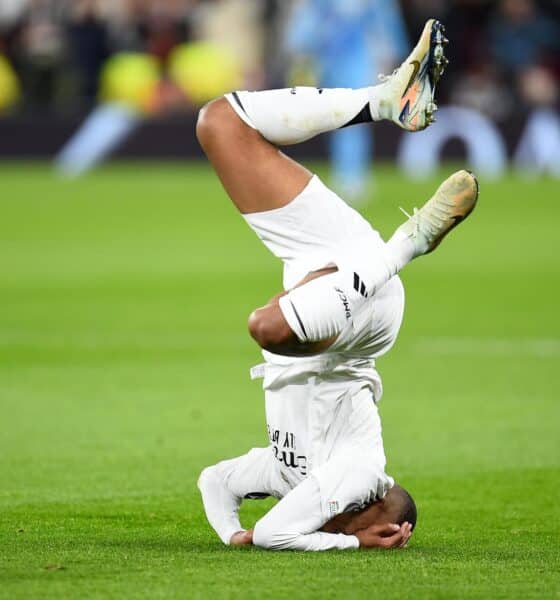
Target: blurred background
pixel 135 72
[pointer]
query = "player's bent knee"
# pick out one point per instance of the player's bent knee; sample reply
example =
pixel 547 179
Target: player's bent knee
pixel 215 120
pixel 206 124
pixel 269 329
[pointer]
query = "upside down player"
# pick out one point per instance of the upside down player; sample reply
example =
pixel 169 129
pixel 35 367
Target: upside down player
pixel 343 307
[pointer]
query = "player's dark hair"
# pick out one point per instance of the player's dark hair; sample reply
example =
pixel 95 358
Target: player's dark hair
pixel 406 507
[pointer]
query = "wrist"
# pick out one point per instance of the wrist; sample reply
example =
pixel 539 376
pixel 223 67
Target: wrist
pixel 243 537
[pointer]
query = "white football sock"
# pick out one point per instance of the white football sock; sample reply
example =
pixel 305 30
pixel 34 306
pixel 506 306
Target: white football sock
pixel 402 249
pixel 293 115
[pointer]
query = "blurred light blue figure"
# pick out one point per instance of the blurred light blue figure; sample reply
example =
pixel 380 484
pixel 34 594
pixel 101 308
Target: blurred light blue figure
pixel 104 130
pixel 350 42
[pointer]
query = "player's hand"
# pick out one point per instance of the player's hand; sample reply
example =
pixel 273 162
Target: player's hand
pixel 242 538
pixel 387 536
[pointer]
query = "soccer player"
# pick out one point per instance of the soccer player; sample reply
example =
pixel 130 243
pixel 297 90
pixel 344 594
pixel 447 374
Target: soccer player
pixel 342 308
pixel 347 40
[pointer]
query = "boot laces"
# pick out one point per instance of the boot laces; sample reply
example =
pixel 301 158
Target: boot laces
pixel 428 221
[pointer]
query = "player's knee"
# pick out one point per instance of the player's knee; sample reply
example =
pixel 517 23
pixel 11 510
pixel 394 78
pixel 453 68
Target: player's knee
pixel 213 120
pixel 269 329
pixel 206 124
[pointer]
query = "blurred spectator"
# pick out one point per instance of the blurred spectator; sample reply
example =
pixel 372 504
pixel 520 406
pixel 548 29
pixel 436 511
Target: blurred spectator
pixel 520 36
pixel 238 26
pixel 537 87
pixel 58 47
pixel 480 89
pixel 164 26
pixel 38 51
pixel 350 42
pixel 11 12
pixel 539 148
pixel 89 44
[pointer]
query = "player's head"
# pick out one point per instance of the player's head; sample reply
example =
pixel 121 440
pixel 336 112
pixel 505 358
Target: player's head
pixel 398 506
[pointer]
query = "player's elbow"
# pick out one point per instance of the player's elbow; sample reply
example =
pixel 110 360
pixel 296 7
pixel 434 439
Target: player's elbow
pixel 269 329
pixel 261 537
pixel 208 473
pixel 267 537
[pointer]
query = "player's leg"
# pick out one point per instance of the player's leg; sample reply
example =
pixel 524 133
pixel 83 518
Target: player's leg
pixel 308 318
pixel 239 134
pixel 290 116
pixel 254 173
pixel 257 176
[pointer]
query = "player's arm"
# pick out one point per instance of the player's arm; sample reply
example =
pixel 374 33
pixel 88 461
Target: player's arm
pixel 221 505
pixel 388 536
pixel 295 523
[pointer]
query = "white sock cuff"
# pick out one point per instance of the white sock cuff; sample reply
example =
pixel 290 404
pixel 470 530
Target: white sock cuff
pixel 234 98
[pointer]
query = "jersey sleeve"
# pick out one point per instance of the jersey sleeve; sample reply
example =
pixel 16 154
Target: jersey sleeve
pixel 294 522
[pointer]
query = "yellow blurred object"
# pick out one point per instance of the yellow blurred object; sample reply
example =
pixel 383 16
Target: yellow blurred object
pixel 9 85
pixel 302 72
pixel 204 71
pixel 131 79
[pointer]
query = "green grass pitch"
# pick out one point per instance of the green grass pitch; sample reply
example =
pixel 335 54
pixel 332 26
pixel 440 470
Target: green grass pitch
pixel 124 370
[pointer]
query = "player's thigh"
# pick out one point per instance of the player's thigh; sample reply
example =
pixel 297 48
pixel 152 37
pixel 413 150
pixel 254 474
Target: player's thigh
pixel 254 173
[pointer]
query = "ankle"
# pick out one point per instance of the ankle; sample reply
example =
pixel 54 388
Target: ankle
pixel 379 106
pixel 402 248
